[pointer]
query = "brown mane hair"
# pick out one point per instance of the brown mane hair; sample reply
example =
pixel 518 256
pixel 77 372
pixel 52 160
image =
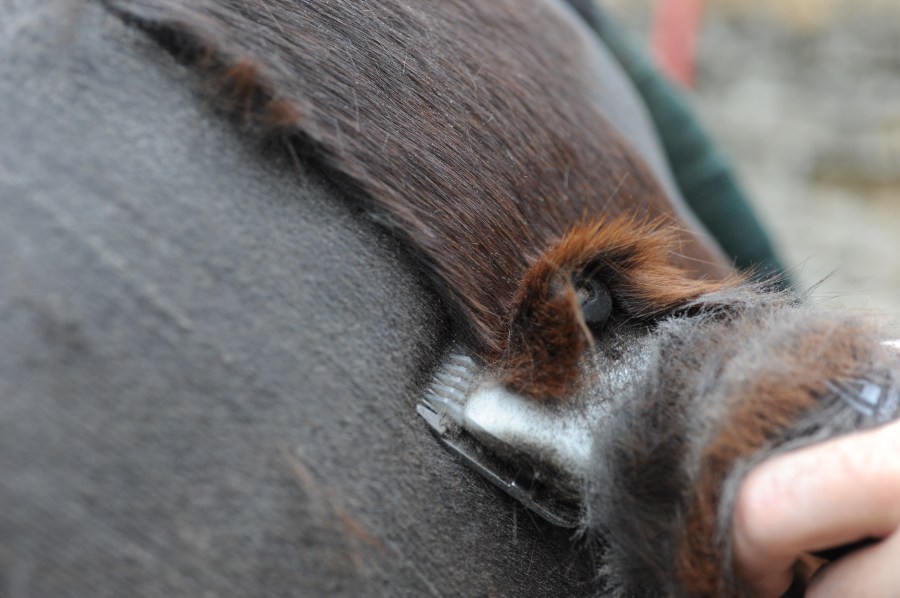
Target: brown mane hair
pixel 465 125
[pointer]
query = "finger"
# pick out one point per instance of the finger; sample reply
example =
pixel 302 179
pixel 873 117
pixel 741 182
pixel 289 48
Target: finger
pixel 815 498
pixel 869 572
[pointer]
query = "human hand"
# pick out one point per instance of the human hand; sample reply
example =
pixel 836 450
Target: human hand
pixel 831 494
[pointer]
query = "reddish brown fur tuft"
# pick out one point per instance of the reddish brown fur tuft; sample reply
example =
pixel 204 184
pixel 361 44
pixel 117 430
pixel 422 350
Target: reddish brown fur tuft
pixel 281 114
pixel 241 81
pixel 547 335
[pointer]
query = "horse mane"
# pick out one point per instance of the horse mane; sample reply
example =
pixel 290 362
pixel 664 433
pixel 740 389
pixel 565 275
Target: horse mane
pixel 464 126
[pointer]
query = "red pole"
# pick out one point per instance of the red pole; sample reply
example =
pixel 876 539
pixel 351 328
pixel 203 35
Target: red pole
pixel 673 38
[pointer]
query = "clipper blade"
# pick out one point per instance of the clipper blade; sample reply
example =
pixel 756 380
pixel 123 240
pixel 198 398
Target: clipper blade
pixel 506 438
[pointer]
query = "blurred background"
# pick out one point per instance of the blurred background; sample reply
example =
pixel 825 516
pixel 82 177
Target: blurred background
pixel 804 96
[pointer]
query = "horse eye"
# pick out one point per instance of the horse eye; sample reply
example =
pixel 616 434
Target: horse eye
pixel 596 302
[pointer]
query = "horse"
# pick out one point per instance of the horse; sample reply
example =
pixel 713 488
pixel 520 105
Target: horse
pixel 243 235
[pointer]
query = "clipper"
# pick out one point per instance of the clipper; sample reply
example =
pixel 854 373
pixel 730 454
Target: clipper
pixel 537 452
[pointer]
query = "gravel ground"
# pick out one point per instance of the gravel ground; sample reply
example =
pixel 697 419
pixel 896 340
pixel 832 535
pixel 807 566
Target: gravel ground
pixel 807 104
